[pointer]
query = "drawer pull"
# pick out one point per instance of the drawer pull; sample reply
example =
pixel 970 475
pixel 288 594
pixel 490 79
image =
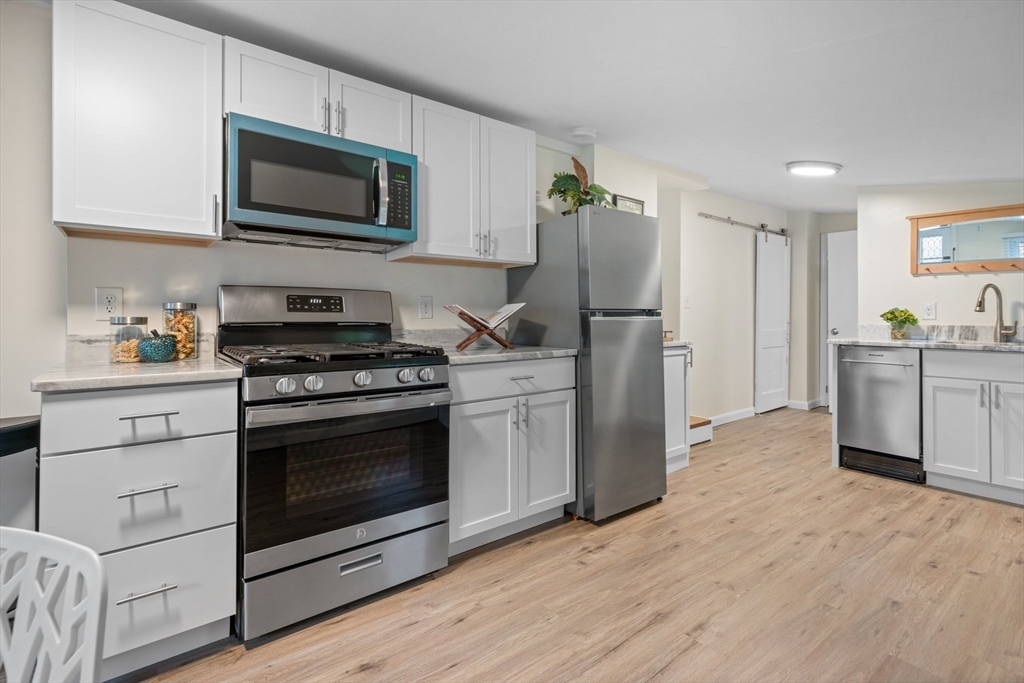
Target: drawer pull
pixel 360 564
pixel 139 416
pixel 156 591
pixel 155 489
pixel 520 378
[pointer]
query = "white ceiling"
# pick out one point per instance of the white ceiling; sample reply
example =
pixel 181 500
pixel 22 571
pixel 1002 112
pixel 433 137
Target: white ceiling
pixel 898 92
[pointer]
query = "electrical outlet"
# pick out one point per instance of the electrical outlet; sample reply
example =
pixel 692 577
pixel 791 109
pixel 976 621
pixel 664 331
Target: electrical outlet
pixel 686 301
pixel 109 302
pixel 426 307
pixel 928 310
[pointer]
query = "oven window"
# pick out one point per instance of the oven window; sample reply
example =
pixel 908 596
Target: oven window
pixel 309 478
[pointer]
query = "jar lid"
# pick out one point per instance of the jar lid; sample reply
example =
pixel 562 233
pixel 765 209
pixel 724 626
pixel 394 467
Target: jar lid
pixel 121 320
pixel 179 306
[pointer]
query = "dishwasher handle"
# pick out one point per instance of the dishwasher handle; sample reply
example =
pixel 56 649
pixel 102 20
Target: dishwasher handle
pixel 876 362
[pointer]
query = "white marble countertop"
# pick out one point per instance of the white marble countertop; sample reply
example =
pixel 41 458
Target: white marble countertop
pixel 953 345
pixel 677 343
pixel 87 376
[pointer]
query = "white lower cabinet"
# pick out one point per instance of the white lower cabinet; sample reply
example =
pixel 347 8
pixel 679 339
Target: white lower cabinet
pixel 677 406
pixel 1008 434
pixel 510 457
pixel 956 428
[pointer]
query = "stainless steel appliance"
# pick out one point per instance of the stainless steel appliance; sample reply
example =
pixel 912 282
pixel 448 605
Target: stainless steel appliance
pixel 879 413
pixel 344 451
pixel 597 288
pixel 297 187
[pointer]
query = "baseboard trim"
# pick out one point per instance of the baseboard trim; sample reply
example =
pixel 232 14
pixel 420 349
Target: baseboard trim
pixel 677 462
pixel 145 656
pixel 699 434
pixel 805 405
pixel 726 418
pixel 976 488
pixel 491 535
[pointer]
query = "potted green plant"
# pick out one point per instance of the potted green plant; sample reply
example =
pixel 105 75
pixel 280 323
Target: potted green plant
pixel 898 319
pixel 576 190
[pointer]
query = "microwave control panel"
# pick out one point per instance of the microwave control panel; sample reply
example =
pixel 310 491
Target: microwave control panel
pixel 399 196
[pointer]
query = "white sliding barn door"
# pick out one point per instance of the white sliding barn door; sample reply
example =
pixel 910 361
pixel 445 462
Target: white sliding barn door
pixel 771 333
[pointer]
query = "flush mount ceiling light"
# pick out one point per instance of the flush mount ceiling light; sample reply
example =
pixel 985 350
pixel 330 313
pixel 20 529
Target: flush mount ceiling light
pixel 583 134
pixel 813 168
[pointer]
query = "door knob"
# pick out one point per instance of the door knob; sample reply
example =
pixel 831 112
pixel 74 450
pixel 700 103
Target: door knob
pixel 834 330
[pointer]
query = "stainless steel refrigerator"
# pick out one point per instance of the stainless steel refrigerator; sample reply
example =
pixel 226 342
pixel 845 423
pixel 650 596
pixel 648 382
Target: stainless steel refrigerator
pixel 597 288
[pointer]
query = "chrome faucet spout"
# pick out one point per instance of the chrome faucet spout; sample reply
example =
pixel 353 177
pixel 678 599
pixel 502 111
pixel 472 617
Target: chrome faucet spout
pixel 1003 332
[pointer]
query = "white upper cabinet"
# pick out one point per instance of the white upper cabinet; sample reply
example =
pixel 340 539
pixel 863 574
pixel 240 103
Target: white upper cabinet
pixel 269 85
pixel 1008 434
pixel 137 132
pixel 508 187
pixel 370 113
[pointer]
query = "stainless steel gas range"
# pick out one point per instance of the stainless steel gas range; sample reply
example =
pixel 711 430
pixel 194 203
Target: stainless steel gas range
pixel 344 451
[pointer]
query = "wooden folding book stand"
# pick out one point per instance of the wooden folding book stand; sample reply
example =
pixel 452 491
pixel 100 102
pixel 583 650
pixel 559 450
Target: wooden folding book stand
pixel 480 332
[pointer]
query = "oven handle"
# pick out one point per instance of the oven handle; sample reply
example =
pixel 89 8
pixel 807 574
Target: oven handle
pixel 264 416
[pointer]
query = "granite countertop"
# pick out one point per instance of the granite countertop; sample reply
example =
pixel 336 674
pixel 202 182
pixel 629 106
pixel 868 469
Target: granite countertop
pixel 677 343
pixel 957 345
pixel 87 376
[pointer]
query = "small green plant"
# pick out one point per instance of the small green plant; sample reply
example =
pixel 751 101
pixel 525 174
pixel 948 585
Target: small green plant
pixel 576 190
pixel 898 319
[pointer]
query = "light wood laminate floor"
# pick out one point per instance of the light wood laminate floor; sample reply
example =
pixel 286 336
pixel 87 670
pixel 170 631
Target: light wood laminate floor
pixel 763 563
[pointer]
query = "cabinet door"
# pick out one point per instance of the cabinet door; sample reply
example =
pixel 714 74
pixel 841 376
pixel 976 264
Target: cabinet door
pixel 137 132
pixel 447 142
pixel 1008 434
pixel 483 467
pixel 547 451
pixel 956 428
pixel 508 189
pixel 677 414
pixel 370 112
pixel 269 85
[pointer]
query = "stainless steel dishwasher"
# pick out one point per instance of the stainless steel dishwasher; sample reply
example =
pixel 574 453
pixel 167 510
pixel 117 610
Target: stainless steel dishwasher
pixel 880 411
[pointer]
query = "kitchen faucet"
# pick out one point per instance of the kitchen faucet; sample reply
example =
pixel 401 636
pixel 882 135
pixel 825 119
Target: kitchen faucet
pixel 1001 330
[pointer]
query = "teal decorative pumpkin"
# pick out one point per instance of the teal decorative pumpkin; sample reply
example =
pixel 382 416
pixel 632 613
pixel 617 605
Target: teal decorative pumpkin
pixel 157 349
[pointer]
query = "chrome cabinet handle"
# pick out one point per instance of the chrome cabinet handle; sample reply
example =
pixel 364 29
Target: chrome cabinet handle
pixel 360 564
pixel 526 414
pixel 690 354
pixel 326 112
pixel 515 420
pixel 139 416
pixel 995 397
pixel 216 206
pixel 981 394
pixel 520 378
pixel 337 123
pixel 156 591
pixel 155 489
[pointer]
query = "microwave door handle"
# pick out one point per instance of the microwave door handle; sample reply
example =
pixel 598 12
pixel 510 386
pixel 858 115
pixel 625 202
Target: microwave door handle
pixel 381 167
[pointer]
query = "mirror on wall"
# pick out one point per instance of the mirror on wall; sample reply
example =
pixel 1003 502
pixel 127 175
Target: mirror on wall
pixel 973 241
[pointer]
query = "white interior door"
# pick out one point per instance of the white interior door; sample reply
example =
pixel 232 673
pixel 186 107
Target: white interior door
pixel 839 269
pixel 771 318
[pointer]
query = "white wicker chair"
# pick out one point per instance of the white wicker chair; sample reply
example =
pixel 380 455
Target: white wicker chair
pixel 59 592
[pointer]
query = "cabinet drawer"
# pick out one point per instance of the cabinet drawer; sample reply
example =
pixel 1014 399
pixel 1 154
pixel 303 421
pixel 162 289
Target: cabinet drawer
pixel 201 472
pixel 511 378
pixel 201 567
pixel 994 366
pixel 81 421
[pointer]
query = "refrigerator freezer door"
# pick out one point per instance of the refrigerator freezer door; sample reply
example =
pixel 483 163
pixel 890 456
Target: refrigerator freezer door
pixel 620 260
pixel 622 405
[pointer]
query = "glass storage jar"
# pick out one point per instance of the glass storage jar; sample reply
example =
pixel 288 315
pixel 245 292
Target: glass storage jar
pixel 125 334
pixel 180 320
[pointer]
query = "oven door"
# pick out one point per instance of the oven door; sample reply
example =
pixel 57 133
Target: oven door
pixel 288 177
pixel 324 477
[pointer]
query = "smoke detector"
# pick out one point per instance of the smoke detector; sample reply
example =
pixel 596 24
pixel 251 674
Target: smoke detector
pixel 584 134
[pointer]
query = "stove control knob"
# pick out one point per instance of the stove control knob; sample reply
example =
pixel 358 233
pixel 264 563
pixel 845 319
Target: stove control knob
pixel 285 385
pixel 427 374
pixel 406 375
pixel 363 378
pixel 314 383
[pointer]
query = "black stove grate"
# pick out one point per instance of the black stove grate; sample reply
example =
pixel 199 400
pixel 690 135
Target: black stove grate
pixel 273 354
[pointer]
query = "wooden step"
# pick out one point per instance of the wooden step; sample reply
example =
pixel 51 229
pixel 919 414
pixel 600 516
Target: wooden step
pixel 696 422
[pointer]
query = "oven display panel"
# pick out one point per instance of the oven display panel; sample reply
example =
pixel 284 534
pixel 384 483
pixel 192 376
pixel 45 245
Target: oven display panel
pixel 302 303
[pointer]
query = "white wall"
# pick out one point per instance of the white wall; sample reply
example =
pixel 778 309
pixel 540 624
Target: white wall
pixel 668 205
pixel 717 274
pixel 837 222
pixel 804 229
pixel 32 252
pixel 883 244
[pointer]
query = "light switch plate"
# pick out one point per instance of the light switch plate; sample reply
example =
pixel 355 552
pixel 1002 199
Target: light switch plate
pixel 686 301
pixel 109 302
pixel 928 310
pixel 426 307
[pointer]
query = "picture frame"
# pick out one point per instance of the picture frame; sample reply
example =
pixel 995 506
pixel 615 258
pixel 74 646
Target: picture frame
pixel 623 203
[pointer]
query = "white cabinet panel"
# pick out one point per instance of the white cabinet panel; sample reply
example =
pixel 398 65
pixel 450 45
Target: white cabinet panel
pixel 484 466
pixel 201 566
pixel 677 413
pixel 370 112
pixel 269 85
pixel 1008 434
pixel 201 472
pixel 956 428
pixel 496 380
pixel 508 188
pixel 547 451
pixel 137 132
